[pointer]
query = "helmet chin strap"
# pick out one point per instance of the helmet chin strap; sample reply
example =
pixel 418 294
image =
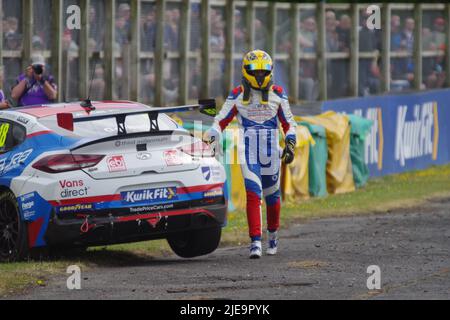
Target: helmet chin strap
pixel 247 90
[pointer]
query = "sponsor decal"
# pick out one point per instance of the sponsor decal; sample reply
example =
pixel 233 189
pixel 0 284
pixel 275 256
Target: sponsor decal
pixel 15 162
pixel 76 208
pixel 28 205
pixel 132 142
pixel 31 205
pixel 375 139
pixel 213 193
pixel 152 208
pixel 419 136
pixel 206 171
pixel 116 164
pixel 73 189
pixel 150 195
pixel 23 120
pixel 172 158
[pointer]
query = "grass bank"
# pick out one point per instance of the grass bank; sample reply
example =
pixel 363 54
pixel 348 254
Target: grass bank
pixel 380 195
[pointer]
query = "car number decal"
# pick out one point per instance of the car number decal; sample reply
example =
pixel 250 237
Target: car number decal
pixel 4 129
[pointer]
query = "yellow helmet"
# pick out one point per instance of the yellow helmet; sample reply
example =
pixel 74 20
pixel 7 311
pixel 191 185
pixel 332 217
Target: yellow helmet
pixel 257 69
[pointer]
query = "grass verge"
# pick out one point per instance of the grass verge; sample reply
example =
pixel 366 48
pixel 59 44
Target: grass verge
pixel 380 195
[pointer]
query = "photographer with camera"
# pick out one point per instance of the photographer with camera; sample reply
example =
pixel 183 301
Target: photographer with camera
pixel 35 87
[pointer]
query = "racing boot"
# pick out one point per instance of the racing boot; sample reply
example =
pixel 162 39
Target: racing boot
pixel 273 243
pixel 255 250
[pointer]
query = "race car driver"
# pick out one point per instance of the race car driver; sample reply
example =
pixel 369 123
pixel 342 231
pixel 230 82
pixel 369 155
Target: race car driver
pixel 260 106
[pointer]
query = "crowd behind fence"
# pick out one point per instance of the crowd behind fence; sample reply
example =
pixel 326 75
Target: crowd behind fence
pixel 167 52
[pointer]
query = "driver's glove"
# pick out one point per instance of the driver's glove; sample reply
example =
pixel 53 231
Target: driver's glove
pixel 289 151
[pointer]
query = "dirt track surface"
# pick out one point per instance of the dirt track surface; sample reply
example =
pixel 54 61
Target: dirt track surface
pixel 323 259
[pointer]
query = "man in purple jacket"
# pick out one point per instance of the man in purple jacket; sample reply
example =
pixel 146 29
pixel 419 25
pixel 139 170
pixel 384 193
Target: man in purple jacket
pixel 35 87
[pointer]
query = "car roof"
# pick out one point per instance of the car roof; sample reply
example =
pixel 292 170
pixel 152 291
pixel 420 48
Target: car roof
pixel 42 111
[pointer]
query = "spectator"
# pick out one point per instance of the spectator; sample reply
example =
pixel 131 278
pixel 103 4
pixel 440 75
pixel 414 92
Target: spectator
pixel 240 32
pixel 402 69
pixel 338 84
pixel 35 87
pixel 408 35
pixel 344 30
pixel 217 39
pixel 12 38
pixel 438 34
pixel 332 40
pixel 195 27
pixel 369 70
pixel 308 70
pixel 308 35
pixel 148 34
pixel 396 35
pixel 171 30
pixel 95 31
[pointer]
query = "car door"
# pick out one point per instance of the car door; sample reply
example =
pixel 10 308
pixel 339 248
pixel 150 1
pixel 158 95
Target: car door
pixel 12 157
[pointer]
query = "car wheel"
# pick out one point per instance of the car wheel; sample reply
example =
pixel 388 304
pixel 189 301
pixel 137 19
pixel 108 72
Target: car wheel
pixel 13 231
pixel 195 243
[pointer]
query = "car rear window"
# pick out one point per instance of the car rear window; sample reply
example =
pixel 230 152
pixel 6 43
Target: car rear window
pixel 108 127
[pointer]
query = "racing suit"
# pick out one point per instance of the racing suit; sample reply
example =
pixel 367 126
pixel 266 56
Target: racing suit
pixel 258 149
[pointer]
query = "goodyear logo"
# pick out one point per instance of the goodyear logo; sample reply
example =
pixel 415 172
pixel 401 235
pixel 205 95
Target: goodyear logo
pixel 76 208
pixel 213 193
pixel 150 195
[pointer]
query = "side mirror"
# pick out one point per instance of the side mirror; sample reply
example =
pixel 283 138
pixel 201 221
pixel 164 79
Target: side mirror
pixel 208 107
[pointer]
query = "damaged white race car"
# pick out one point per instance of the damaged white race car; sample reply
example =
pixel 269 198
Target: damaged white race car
pixel 79 175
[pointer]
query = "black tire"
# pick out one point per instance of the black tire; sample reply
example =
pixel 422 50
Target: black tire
pixel 13 231
pixel 195 243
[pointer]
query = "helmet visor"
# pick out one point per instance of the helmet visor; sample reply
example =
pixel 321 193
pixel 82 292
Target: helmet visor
pixel 259 73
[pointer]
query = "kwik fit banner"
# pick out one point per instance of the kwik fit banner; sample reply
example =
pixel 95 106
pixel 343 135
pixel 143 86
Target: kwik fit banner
pixel 411 131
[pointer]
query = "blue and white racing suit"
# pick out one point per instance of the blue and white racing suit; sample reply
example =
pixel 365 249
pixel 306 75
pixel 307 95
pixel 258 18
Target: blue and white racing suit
pixel 259 150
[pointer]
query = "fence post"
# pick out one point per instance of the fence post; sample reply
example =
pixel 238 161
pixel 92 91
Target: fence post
pixel 354 51
pixel 321 51
pixel 205 10
pixel 27 18
pixel 185 48
pixel 386 47
pixel 56 59
pixel 418 46
pixel 159 53
pixel 109 57
pixel 135 49
pixel 229 44
pixel 83 84
pixel 294 70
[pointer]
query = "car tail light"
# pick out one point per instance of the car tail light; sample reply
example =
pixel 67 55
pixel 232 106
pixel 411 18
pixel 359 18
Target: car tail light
pixel 67 162
pixel 198 149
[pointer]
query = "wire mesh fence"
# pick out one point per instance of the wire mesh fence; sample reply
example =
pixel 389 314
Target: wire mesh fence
pixel 168 52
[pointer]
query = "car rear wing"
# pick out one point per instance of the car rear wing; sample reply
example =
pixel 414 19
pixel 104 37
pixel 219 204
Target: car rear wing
pixel 207 107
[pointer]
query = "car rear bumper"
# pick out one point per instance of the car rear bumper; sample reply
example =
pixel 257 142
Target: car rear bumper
pixel 114 229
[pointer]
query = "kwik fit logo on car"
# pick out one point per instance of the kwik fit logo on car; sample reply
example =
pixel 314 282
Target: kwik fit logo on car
pixel 157 195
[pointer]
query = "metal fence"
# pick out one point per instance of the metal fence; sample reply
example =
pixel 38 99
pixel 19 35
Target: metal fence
pixel 167 52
